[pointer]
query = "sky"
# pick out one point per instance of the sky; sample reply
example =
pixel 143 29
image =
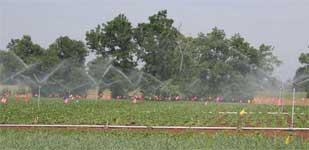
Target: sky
pixel 283 24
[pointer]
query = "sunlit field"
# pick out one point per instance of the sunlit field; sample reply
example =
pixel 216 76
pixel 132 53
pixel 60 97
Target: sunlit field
pixel 151 113
pixel 226 75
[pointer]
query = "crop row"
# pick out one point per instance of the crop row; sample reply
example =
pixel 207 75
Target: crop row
pixel 149 113
pixel 74 139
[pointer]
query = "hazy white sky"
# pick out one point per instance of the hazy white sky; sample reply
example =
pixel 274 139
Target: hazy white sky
pixel 281 23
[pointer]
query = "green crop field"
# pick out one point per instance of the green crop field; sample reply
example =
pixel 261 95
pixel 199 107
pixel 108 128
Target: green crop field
pixel 285 94
pixel 150 113
pixel 73 140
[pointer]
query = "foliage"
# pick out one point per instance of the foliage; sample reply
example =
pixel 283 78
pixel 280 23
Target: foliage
pixel 301 77
pixel 149 113
pixel 209 64
pixel 157 45
pixel 114 40
pixel 75 139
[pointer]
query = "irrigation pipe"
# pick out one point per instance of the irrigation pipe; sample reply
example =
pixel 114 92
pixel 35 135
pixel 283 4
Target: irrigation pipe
pixel 145 127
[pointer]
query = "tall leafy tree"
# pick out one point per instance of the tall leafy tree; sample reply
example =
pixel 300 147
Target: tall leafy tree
pixel 24 48
pixel 157 41
pixel 114 40
pixel 65 48
pixel 301 78
pixel 71 54
pixel 21 53
pixel 213 50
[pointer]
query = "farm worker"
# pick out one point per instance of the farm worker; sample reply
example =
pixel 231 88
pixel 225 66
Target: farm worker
pixel 253 101
pixel 27 98
pixel 4 100
pixel 177 98
pixel 141 97
pixel 209 98
pixel 218 99
pixel 279 102
pixel 156 98
pixel 206 103
pixel 16 98
pixel 194 98
pixel 66 99
pixel 249 101
pixel 273 100
pixel 134 99
pixel 304 100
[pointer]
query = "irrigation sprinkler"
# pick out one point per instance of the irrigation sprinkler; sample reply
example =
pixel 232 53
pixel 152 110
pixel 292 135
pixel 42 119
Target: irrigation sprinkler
pixel 39 92
pixel 292 125
pixel 39 96
pixel 97 92
pixel 281 95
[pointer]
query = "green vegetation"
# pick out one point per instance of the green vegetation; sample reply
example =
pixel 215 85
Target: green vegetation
pixel 149 113
pixel 301 76
pixel 285 95
pixel 210 64
pixel 73 140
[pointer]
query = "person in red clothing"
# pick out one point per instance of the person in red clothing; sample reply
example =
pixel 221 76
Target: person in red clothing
pixel 27 98
pixel 16 97
pixel 305 101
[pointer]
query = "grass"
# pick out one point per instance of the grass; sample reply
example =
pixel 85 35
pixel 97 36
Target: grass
pixel 147 113
pixel 285 94
pixel 75 140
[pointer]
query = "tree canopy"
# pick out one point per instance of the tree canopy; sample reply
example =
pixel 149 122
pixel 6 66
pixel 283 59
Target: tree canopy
pixel 153 52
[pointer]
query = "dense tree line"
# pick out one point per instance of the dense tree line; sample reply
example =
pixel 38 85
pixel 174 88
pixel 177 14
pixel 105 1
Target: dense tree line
pixel 209 64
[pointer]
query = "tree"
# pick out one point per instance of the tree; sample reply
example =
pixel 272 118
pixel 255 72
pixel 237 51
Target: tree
pixel 19 57
pixel 26 49
pixel 65 48
pixel 301 78
pixel 114 40
pixel 71 54
pixel 224 64
pixel 157 41
pixel 304 58
pixel 213 50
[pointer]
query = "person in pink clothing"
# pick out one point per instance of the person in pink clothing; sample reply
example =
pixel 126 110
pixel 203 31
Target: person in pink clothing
pixel 134 99
pixel 177 98
pixel 279 102
pixel 4 98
